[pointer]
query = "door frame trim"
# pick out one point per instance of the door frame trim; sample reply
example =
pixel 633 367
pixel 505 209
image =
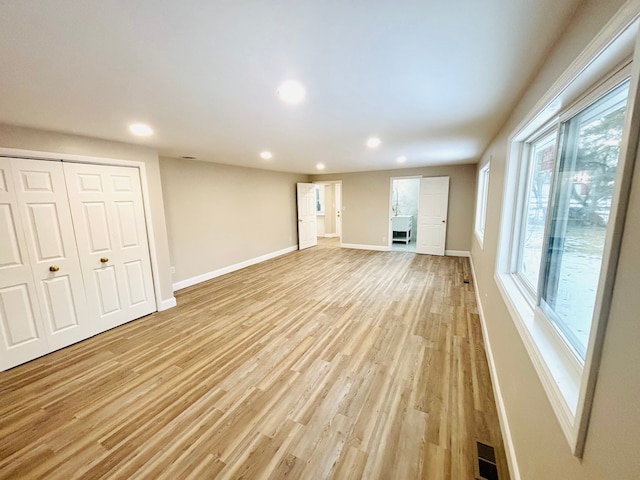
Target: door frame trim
pixel 161 304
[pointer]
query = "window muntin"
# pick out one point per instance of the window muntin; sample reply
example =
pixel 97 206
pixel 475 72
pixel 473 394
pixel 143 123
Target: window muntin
pixel 481 201
pixel 582 195
pixel 541 162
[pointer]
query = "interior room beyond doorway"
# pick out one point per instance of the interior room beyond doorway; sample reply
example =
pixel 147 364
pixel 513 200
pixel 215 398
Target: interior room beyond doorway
pixel 405 193
pixel 328 201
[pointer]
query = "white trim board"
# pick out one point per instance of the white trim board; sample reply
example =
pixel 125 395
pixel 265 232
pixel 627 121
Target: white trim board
pixel 167 304
pixel 383 248
pixel 355 246
pixel 512 461
pixel 457 253
pixel 231 268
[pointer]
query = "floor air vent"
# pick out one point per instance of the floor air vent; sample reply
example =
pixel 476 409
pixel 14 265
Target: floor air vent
pixel 486 462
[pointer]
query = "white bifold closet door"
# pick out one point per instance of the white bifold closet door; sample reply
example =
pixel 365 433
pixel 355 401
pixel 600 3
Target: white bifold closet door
pixel 108 215
pixel 74 254
pixel 20 320
pixel 43 306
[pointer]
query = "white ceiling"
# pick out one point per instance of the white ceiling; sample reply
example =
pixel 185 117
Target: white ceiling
pixel 434 79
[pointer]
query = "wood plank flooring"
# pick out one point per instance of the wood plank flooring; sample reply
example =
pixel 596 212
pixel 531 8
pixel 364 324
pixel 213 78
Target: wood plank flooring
pixel 323 363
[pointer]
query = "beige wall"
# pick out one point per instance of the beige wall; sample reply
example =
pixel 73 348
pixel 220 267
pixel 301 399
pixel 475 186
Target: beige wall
pixel 329 207
pixel 612 446
pixel 38 140
pixel 365 204
pixel 220 215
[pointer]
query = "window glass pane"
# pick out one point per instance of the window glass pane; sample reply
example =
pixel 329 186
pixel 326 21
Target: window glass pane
pixel 481 201
pixel 541 163
pixel 583 190
pixel 320 198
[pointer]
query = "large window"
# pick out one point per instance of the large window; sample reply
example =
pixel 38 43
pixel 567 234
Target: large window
pixel 565 207
pixel 566 191
pixel 577 226
pixel 481 201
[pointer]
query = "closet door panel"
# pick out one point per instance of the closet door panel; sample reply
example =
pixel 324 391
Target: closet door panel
pixel 22 335
pixel 107 290
pixel 108 214
pixel 18 321
pixel 42 198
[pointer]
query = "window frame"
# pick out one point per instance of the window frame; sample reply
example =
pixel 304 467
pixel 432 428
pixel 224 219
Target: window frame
pixel 482 201
pixel 568 383
pixel 516 251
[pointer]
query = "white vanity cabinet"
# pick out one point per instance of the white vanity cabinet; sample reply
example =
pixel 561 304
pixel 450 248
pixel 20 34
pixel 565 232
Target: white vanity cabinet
pixel 401 226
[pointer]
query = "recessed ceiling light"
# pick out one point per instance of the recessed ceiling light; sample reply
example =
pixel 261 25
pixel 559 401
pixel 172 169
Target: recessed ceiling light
pixel 140 129
pixel 266 155
pixel 320 166
pixel 401 159
pixel 291 92
pixel 373 142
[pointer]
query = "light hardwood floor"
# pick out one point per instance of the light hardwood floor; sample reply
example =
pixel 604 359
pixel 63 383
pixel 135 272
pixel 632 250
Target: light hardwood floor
pixel 323 363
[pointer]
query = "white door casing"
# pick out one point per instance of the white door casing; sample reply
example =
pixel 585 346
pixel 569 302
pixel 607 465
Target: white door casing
pixel 22 334
pixel 108 215
pixel 432 215
pixel 44 209
pixel 307 227
pixel 338 201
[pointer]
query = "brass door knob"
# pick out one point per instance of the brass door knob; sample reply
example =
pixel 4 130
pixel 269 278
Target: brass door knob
pixel 54 268
pixel 300 220
pixel 104 259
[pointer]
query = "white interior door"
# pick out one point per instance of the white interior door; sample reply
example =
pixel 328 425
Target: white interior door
pixel 108 215
pixel 338 200
pixel 22 334
pixel 307 227
pixel 42 199
pixel 432 215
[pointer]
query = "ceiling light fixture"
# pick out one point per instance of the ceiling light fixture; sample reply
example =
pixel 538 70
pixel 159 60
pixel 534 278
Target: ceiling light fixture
pixel 320 166
pixel 291 92
pixel 373 142
pixel 401 159
pixel 141 129
pixel 266 155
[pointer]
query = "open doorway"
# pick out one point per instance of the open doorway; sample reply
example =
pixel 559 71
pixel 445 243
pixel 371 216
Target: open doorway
pixel 405 196
pixel 329 209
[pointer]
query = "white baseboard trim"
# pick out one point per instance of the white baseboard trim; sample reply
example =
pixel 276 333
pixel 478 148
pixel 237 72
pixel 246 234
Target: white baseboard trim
pixel 167 304
pixel 512 462
pixel 330 235
pixel 378 248
pixel 231 268
pixel 457 253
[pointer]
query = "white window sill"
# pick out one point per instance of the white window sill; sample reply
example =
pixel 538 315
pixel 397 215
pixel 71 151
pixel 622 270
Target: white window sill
pixel 559 372
pixel 480 239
